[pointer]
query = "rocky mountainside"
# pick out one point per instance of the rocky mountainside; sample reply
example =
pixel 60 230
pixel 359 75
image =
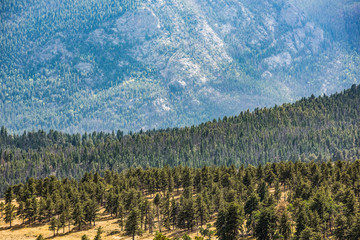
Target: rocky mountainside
pixel 102 65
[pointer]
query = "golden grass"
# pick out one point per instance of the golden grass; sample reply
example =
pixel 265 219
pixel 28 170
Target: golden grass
pixel 111 230
pixel 109 225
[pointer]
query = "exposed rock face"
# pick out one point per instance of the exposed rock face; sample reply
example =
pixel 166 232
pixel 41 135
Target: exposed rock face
pixel 179 62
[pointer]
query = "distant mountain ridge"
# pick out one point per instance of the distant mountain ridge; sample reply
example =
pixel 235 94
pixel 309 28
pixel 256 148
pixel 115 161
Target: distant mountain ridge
pixel 130 65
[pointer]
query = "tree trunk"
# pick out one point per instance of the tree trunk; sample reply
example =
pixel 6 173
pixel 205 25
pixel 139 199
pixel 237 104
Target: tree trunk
pixel 158 212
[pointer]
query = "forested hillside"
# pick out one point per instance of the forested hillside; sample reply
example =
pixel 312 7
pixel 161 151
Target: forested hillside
pixel 98 65
pixel 316 128
pixel 274 201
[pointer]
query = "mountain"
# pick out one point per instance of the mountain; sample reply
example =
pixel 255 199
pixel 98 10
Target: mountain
pixel 312 129
pixel 90 65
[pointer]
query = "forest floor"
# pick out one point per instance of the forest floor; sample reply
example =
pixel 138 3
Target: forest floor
pixel 111 229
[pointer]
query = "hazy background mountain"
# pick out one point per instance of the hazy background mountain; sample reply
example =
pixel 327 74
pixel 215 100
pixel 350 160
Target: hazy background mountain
pixel 103 64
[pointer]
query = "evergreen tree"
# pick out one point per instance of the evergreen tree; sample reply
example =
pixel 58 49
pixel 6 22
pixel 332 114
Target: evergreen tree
pixel 98 234
pixel 229 222
pixel 160 236
pixel 285 226
pixel 78 215
pixel 40 237
pixel 90 211
pixel 10 214
pixel 266 224
pixel 157 201
pixel 85 237
pixel 2 208
pixel 201 210
pixel 132 226
pixel 166 211
pixel 53 224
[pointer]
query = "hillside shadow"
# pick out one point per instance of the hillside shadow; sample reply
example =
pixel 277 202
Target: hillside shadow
pixel 13 228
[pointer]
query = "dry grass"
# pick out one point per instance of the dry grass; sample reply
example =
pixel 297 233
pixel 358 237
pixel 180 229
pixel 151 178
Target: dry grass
pixel 109 225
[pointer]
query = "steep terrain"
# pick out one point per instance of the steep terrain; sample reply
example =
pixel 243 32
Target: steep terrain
pixel 316 129
pixel 91 65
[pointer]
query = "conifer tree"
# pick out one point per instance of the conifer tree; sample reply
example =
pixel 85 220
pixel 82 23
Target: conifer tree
pixel 166 211
pixel 98 233
pixel 2 208
pixel 285 226
pixel 132 226
pixel 229 222
pixel 40 237
pixel 53 224
pixel 9 195
pixel 201 210
pixel 266 224
pixel 10 214
pixel 341 227
pixel 157 201
pixel 78 215
pixel 85 237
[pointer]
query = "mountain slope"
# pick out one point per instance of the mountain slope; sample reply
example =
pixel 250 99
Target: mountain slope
pixel 316 129
pixel 130 65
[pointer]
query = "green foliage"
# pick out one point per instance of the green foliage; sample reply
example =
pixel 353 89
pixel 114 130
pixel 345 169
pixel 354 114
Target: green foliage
pixel 132 226
pixel 40 237
pixel 85 237
pixel 186 237
pixel 207 233
pixel 55 73
pixel 285 226
pixel 98 234
pixel 322 126
pixel 160 236
pixel 9 213
pixel 229 222
pixel 266 223
pixel 53 224
pixel 329 210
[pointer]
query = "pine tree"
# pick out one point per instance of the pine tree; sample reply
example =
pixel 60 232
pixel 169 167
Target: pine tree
pixel 201 210
pixel 132 226
pixel 301 221
pixel 285 226
pixel 157 201
pixel 174 212
pixel 9 195
pixel 354 233
pixel 85 237
pixel 166 211
pixel 53 224
pixel 10 214
pixel 62 221
pixel 98 234
pixel 160 236
pixel 90 211
pixel 40 237
pixel 21 210
pixel 2 208
pixel 266 224
pixel 229 222
pixel 78 215
pixel 341 227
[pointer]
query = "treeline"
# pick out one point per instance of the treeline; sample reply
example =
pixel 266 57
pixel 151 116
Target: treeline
pixel 274 201
pixel 315 129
